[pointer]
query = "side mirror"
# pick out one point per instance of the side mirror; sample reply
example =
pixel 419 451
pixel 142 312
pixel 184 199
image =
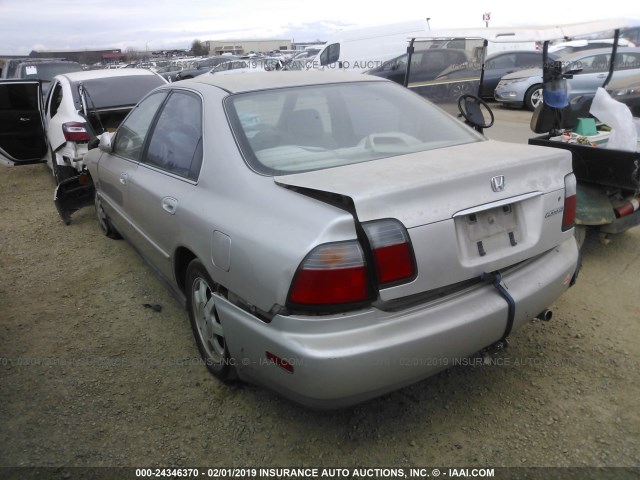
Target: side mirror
pixel 572 72
pixel 105 142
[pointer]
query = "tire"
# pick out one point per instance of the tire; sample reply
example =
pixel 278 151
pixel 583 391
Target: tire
pixel 205 322
pixel 103 220
pixel 533 97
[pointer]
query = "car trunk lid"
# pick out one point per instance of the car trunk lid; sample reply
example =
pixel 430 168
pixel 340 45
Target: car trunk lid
pixel 468 209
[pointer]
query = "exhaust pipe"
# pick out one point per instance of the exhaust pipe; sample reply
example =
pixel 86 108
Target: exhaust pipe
pixel 545 315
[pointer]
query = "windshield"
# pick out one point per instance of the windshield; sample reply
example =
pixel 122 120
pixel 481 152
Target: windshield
pixel 310 128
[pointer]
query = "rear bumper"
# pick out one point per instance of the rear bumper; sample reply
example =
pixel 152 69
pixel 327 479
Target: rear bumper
pixel 343 359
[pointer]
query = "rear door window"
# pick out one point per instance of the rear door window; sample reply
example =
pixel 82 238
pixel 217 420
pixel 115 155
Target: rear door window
pixel 131 135
pixel 628 61
pixel 176 141
pixel 528 60
pixel 503 61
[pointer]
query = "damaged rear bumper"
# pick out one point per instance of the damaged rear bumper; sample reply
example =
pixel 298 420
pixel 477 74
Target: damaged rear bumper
pixel 72 194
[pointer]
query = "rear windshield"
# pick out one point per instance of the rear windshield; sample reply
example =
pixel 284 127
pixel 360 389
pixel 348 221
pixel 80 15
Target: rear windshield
pixel 46 71
pixel 307 128
pixel 114 92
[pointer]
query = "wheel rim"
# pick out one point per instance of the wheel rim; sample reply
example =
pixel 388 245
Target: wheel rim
pixel 536 97
pixel 102 217
pixel 207 321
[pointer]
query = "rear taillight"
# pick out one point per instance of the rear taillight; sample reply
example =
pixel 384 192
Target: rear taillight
pixel 391 250
pixel 569 212
pixel 75 132
pixel 332 274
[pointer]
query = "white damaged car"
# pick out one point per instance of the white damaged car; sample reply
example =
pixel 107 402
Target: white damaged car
pixel 57 129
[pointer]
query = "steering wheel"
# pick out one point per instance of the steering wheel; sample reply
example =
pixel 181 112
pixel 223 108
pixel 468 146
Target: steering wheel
pixel 471 109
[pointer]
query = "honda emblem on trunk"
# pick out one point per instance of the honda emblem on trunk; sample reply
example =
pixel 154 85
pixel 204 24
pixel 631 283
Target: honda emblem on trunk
pixel 497 183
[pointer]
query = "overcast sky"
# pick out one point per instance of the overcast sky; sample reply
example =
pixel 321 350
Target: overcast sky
pixel 27 25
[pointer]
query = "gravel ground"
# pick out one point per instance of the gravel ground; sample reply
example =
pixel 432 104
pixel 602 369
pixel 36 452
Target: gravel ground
pixel 90 377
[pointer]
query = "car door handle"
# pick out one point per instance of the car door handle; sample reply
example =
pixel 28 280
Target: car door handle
pixel 170 205
pixel 602 75
pixel 25 119
pixel 123 178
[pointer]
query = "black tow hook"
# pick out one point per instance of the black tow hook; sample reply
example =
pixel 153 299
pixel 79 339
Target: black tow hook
pixel 495 279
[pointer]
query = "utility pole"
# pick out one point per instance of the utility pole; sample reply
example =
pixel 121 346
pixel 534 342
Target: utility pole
pixel 428 26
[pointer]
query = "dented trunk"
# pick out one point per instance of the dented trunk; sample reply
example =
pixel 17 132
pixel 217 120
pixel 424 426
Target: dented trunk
pixel 468 210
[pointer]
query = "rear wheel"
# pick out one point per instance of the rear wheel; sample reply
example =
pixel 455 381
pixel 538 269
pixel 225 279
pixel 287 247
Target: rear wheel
pixel 103 220
pixel 205 322
pixel 533 97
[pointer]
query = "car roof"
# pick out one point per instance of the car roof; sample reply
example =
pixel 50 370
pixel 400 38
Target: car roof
pixel 509 52
pixel 106 73
pixel 596 51
pixel 271 80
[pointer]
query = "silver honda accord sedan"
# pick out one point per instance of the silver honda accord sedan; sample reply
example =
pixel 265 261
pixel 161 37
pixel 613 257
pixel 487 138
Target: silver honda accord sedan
pixel 334 236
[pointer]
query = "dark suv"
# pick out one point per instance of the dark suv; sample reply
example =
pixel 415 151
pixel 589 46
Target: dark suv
pixel 42 69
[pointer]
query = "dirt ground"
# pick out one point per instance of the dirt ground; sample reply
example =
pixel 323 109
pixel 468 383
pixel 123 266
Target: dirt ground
pixel 90 377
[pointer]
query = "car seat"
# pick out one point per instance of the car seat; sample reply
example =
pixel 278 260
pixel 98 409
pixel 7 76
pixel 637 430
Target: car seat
pixel 305 127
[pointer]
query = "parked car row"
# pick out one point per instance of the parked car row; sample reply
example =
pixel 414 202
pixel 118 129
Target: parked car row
pixel 442 64
pixel 513 78
pixel 199 67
